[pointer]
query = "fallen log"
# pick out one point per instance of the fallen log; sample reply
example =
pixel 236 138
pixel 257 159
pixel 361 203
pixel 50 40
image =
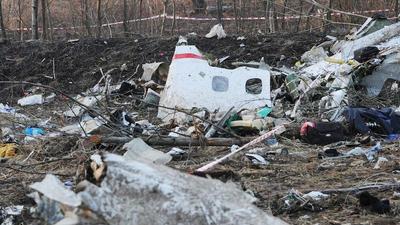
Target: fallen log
pixel 180 141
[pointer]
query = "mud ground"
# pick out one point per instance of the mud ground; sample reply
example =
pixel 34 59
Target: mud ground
pixel 76 65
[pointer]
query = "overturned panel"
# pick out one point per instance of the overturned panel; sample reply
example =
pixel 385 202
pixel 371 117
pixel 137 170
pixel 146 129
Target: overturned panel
pixel 193 83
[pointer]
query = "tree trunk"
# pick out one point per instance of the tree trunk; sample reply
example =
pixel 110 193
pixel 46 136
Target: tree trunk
pixel 328 17
pixel 49 18
pixel 283 26
pixel 236 16
pixel 20 24
pixel 133 15
pixel 267 4
pixel 35 33
pixel 72 13
pixel 150 22
pixel 174 14
pixel 85 17
pixel 220 12
pixel 275 17
pixel 99 19
pixel 165 2
pixel 126 30
pixel 300 15
pixel 140 16
pixel 308 25
pixel 44 25
pixel 3 29
pixel 397 10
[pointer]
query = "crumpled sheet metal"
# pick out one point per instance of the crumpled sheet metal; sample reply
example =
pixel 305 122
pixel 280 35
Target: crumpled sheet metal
pixel 389 69
pixel 140 193
pixel 348 48
pixel 138 150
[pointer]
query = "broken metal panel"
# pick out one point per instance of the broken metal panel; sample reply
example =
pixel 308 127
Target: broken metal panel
pixel 347 49
pixel 157 71
pixel 193 83
pixel 134 192
pixel 389 69
pixel 137 149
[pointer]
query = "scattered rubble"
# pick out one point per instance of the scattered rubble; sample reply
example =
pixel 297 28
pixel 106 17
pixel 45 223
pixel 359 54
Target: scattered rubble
pixel 217 139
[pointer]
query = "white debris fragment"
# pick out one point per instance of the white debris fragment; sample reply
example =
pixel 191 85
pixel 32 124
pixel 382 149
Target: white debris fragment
pixel 217 30
pixel 257 159
pixel 316 195
pixel 6 109
pixel 149 69
pixel 54 189
pixel 381 160
pixel 315 55
pixel 31 100
pixel 234 148
pixel 176 152
pixel 88 101
pixel 137 149
pixel 97 159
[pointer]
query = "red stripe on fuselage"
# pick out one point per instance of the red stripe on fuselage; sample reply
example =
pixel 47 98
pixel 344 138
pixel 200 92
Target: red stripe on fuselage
pixel 187 56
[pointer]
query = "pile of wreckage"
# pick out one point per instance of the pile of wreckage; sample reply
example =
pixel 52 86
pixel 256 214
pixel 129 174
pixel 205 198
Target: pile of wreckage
pixel 195 102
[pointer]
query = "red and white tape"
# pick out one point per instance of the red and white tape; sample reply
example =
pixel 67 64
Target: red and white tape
pixel 210 19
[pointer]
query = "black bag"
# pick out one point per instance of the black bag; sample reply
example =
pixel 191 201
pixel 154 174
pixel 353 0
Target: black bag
pixel 365 54
pixel 323 133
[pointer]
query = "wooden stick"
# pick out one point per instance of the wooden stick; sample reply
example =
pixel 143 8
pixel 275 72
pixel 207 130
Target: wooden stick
pixel 279 129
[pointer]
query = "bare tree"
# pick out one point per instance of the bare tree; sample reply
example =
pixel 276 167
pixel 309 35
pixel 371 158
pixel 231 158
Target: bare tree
pixel 3 29
pixel 300 16
pixel 126 30
pixel 99 18
pixel 85 16
pixel 140 15
pixel 328 16
pixel 133 14
pixel 236 15
pixel 164 15
pixel 174 19
pixel 284 15
pixel 308 24
pixel 50 19
pixel 220 13
pixel 44 25
pixel 274 26
pixel 35 32
pixel 20 23
pixel 266 13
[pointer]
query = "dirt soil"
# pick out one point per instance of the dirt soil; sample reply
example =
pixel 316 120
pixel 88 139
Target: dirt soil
pixel 77 67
